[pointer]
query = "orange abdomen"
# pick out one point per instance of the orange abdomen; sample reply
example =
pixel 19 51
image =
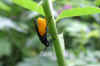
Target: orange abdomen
pixel 42 25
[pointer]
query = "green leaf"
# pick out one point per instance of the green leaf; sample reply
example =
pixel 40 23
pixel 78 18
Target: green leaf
pixel 78 12
pixel 97 2
pixel 30 5
pixel 5 46
pixel 4 6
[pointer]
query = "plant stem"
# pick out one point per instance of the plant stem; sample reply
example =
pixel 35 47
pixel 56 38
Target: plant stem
pixel 47 6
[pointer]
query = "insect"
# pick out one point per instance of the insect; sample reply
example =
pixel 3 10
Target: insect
pixel 41 29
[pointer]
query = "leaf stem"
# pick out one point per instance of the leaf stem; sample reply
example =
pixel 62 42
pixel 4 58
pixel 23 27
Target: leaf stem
pixel 47 6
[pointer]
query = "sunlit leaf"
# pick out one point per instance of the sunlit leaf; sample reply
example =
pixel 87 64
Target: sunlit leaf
pixel 4 6
pixel 78 12
pixel 30 5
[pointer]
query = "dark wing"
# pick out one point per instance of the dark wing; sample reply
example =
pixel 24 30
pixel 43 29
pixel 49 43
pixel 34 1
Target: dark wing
pixel 43 39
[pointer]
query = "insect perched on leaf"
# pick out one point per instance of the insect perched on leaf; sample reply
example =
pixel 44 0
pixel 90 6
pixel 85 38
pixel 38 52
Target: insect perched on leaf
pixel 41 29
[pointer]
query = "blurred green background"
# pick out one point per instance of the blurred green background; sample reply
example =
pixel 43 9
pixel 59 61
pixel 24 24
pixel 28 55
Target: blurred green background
pixel 20 46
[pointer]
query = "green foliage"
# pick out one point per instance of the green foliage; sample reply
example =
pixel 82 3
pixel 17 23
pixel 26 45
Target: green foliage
pixel 78 12
pixel 29 4
pixel 94 33
pixel 38 61
pixel 5 47
pixel 4 6
pixel 97 2
pixel 18 36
